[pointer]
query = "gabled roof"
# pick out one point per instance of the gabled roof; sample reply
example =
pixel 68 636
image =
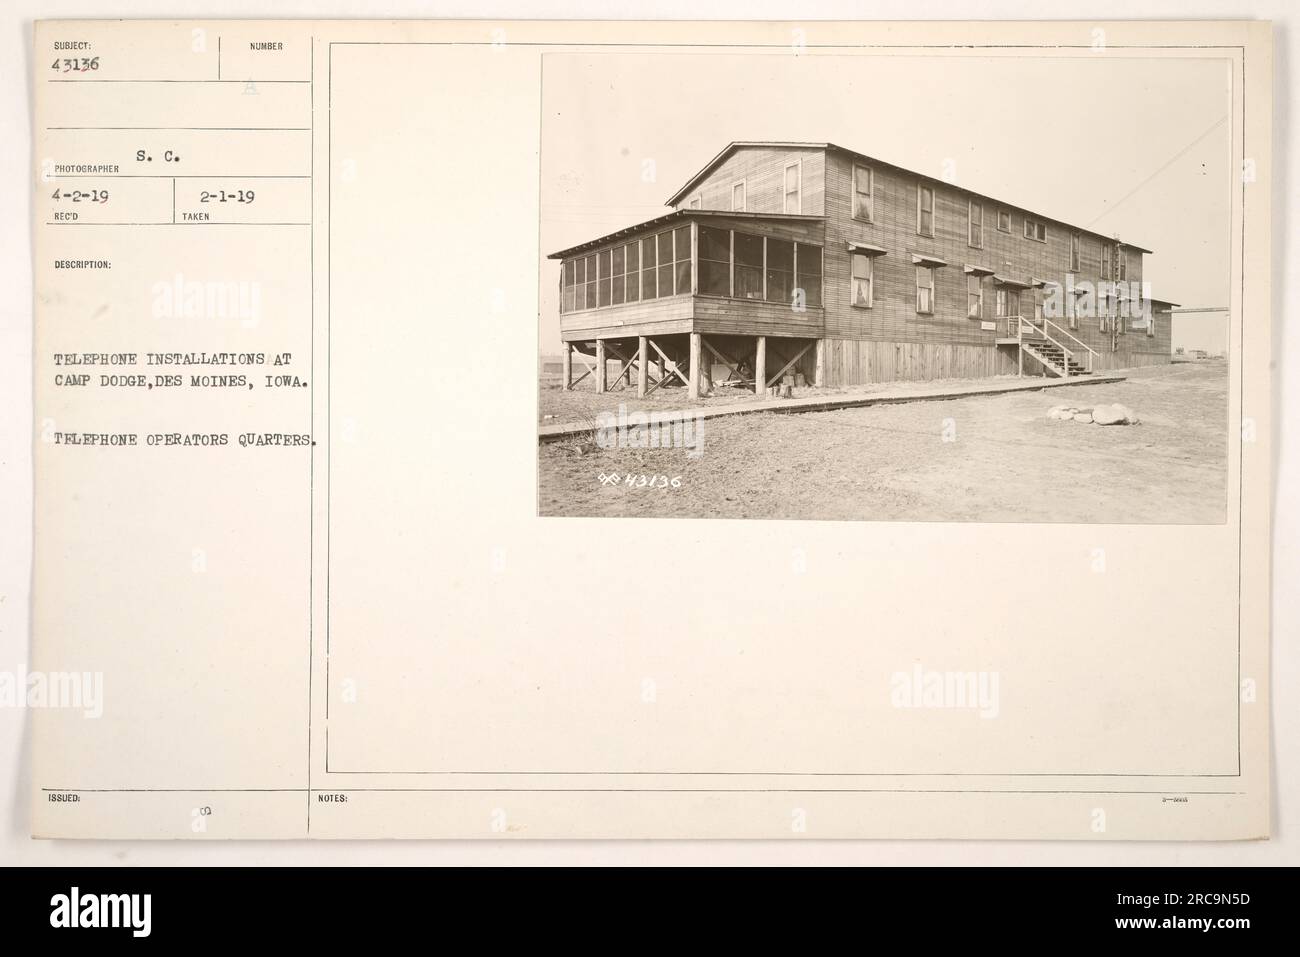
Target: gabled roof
pixel 652 224
pixel 731 148
pixel 778 144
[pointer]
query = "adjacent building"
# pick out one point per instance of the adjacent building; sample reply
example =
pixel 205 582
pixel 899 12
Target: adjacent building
pixel 811 260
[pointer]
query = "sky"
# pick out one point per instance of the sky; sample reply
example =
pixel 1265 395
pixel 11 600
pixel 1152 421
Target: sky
pixel 1117 144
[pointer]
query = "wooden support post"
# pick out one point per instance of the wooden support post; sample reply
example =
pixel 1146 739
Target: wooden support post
pixel 568 366
pixel 600 366
pixel 693 382
pixel 819 376
pixel 640 367
pixel 760 365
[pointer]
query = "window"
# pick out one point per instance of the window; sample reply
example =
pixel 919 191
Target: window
pixel 975 225
pixel 924 211
pixel 715 261
pixel 1123 264
pixel 863 201
pixel 925 289
pixel 794 187
pixel 974 296
pixel 808 273
pixel 862 272
pixel 1035 230
pixel 1004 221
pixel 649 266
pixel 1075 241
pixel 1007 302
pixel 1105 260
pixel 748 272
pixel 780 270
pixel 738 197
pixel 1151 320
pixel 694 203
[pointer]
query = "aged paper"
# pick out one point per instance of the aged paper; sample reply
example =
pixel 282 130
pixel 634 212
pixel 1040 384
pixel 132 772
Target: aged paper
pixel 349 341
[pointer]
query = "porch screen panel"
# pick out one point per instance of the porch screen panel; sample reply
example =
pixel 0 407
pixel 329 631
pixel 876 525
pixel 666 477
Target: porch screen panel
pixel 570 273
pixel 618 275
pixel 749 267
pixel 665 264
pixel 780 270
pixel 715 261
pixel 589 284
pixel 603 277
pixel 649 265
pixel 633 272
pixel 808 266
pixel 682 244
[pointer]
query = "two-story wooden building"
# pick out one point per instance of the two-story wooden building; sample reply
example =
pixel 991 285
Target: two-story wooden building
pixel 808 258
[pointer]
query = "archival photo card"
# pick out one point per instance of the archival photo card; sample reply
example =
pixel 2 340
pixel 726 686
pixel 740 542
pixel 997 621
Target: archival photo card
pixel 939 353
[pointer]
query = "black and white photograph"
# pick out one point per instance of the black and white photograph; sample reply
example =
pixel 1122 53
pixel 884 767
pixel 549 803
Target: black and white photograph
pixel 989 289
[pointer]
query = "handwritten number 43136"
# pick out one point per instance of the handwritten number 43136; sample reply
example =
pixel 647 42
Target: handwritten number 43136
pixel 75 64
pixel 641 481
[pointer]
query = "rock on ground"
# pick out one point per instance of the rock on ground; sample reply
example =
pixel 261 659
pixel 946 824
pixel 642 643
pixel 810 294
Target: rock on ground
pixel 1113 414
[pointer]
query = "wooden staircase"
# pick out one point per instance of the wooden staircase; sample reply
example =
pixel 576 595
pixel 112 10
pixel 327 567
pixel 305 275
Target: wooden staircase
pixel 1046 343
pixel 1054 358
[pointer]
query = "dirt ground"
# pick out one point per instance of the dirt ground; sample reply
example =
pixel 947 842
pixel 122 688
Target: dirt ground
pixel 984 458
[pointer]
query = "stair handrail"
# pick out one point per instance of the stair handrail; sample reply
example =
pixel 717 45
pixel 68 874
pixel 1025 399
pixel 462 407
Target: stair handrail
pixel 1091 352
pixel 1067 354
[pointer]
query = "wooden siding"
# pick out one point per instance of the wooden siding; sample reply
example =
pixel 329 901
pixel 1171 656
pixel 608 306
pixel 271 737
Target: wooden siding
pixel 660 315
pixel 705 314
pixel 893 316
pixel 745 317
pixel 862 361
pixel 763 170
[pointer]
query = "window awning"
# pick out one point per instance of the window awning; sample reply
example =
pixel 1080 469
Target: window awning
pixel 922 259
pixel 977 270
pixel 866 249
pixel 1035 281
pixel 1008 281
